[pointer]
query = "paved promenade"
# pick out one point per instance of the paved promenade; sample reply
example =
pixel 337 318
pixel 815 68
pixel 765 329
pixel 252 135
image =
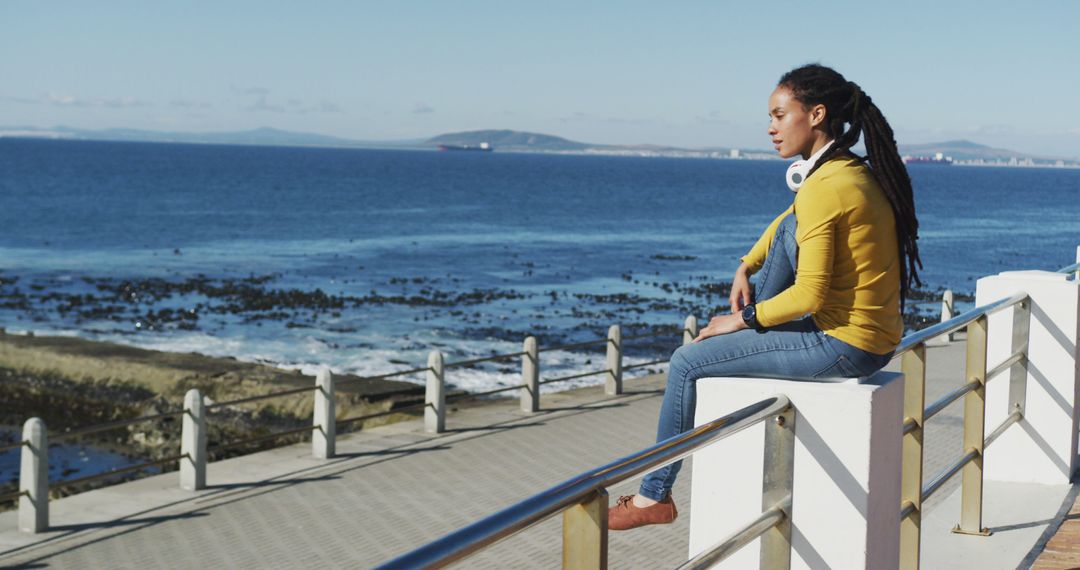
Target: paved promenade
pixel 394 487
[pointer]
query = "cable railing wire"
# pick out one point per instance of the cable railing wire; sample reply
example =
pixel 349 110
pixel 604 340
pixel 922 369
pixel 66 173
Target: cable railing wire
pixel 410 407
pixel 11 496
pixel 574 376
pixel 248 399
pixel 112 425
pixel 258 438
pixel 15 445
pixel 120 471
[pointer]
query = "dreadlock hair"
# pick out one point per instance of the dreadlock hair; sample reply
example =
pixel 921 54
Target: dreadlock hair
pixel 846 104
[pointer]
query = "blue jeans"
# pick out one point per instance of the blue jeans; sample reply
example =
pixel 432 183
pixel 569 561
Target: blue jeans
pixel 796 350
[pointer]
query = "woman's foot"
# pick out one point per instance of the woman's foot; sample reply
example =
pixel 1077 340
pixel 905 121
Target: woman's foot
pixel 626 514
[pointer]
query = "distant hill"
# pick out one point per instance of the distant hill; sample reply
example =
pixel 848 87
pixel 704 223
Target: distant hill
pixel 261 137
pixel 509 140
pixel 501 139
pixel 963 150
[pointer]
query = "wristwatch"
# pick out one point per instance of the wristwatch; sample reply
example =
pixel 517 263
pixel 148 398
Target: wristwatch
pixel 749 316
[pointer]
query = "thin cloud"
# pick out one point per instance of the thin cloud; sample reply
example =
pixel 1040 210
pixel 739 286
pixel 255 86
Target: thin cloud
pixel 422 109
pixel 23 100
pixel 293 106
pixel 189 104
pixel 250 90
pixel 68 100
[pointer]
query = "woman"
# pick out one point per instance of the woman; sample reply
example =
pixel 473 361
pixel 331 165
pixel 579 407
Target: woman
pixel 851 233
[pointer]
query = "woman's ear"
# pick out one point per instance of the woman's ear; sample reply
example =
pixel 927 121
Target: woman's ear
pixel 817 115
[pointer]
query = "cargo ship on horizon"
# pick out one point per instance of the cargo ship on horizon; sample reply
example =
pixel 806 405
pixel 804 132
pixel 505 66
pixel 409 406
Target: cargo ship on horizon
pixel 483 147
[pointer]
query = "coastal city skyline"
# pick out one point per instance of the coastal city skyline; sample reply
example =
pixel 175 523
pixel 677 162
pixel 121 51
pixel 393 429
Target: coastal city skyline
pixel 692 76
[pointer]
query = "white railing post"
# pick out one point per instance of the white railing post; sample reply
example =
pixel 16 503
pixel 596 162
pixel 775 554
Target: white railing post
pixel 324 436
pixel 193 443
pixel 34 478
pixel 1077 272
pixel 530 375
pixel 690 329
pixel 613 384
pixel 435 395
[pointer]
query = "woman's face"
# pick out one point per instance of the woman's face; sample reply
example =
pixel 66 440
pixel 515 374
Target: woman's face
pixel 791 126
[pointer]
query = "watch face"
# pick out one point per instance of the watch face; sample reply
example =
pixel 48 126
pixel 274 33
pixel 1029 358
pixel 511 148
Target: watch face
pixel 749 313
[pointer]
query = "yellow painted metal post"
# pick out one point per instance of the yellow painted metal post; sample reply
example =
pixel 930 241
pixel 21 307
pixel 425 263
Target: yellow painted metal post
pixel 914 368
pixel 974 432
pixel 585 534
pixel 777 483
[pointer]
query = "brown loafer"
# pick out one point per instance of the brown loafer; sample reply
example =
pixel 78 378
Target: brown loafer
pixel 624 515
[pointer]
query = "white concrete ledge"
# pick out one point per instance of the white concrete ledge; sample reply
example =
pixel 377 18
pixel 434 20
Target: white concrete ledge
pixel 846 494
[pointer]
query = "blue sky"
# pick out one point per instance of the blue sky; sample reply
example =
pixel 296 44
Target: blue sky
pixel 677 73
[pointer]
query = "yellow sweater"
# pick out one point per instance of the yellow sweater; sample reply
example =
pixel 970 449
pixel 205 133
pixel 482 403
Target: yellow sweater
pixel 848 276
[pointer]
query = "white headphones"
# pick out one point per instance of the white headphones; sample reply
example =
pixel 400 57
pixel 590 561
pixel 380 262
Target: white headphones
pixel 800 169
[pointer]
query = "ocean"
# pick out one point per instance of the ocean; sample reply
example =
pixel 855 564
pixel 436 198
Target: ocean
pixel 365 260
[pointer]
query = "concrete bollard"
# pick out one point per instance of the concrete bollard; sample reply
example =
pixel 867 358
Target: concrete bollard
pixel 435 395
pixel 690 330
pixel 846 485
pixel 34 478
pixel 324 436
pixel 530 376
pixel 193 443
pixel 947 312
pixel 1076 274
pixel 1042 447
pixel 613 384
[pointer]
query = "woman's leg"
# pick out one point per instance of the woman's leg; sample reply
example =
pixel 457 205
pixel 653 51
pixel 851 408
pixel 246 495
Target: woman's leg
pixel 797 350
pixel 677 411
pixel 778 271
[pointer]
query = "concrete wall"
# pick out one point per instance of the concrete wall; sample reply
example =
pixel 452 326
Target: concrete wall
pixel 846 496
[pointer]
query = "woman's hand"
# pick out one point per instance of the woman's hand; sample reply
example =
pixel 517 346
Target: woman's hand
pixel 723 324
pixel 740 289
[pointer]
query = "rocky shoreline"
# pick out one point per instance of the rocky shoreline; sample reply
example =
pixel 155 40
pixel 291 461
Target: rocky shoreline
pixel 73 383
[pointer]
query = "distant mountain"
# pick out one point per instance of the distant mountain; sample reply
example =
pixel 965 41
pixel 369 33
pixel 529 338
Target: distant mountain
pixel 509 140
pixel 262 137
pixel 500 139
pixel 963 150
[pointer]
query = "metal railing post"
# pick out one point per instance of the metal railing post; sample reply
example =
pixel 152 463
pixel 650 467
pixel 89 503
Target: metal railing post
pixel 324 436
pixel 530 375
pixel 1018 373
pixel 193 443
pixel 34 478
pixel 913 365
pixel 974 427
pixel 613 384
pixel 776 487
pixel 585 544
pixel 690 330
pixel 435 395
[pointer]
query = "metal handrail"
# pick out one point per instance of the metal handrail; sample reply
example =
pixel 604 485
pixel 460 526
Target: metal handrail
pixel 738 539
pixel 956 323
pixel 511 520
pixel 1069 268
